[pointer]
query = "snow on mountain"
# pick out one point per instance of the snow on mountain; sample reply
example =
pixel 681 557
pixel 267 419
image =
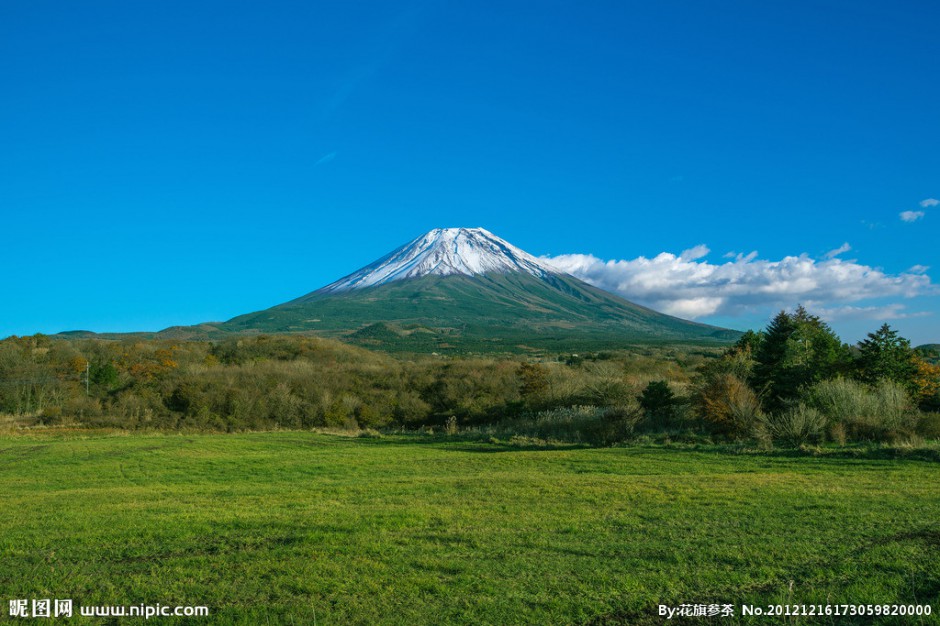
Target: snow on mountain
pixel 443 252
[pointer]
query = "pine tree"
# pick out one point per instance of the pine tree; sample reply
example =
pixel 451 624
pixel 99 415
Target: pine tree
pixel 658 401
pixel 885 355
pixel 827 355
pixel 798 350
pixel 771 354
pixel 750 342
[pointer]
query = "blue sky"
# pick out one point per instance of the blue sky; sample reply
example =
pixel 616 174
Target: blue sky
pixel 169 163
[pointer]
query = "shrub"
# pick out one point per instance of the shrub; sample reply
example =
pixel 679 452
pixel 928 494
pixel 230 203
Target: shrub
pixel 82 408
pixel 838 433
pixel 50 415
pixel 892 403
pixel 564 424
pixel 841 400
pixel 727 403
pixel 872 413
pixel 796 424
pixel 409 409
pixel 616 424
pixel 608 392
pixel 576 424
pixel 928 426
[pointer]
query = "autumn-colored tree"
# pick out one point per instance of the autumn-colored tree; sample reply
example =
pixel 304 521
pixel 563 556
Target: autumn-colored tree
pixel 77 364
pixel 533 380
pixel 145 361
pixel 926 384
pixel 728 404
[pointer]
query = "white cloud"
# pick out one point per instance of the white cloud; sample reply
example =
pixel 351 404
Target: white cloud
pixel 888 312
pixel 911 216
pixel 929 202
pixel 918 269
pixel 697 252
pixel 840 250
pixel 686 287
pixel 326 158
pixel 740 256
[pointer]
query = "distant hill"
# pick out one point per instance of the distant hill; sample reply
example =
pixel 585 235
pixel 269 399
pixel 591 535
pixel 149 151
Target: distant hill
pixel 930 352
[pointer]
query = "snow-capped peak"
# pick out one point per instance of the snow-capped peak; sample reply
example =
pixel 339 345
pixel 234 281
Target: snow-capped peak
pixel 445 251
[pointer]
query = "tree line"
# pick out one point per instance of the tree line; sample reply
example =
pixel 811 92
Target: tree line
pixel 292 381
pixel 797 381
pixel 793 381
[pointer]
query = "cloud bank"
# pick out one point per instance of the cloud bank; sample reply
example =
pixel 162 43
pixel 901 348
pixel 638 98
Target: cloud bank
pixel 688 286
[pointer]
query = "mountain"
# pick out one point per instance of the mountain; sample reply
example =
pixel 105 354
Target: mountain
pixel 444 252
pixel 465 288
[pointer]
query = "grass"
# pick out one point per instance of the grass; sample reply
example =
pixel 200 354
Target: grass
pixel 304 528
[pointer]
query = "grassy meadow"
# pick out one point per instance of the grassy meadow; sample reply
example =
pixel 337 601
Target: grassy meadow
pixel 314 528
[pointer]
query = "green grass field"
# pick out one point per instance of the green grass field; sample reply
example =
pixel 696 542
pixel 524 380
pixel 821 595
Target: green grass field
pixel 304 528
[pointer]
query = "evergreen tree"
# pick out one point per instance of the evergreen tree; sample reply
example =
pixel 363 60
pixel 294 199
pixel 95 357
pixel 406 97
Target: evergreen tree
pixel 750 342
pixel 885 355
pixel 797 350
pixel 658 401
pixel 827 356
pixel 771 354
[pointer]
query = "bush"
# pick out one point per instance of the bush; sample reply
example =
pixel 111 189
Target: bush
pixel 576 424
pixel 82 408
pixel 928 426
pixel 841 400
pixel 872 413
pixel 893 404
pixel 409 409
pixel 573 424
pixel 608 392
pixel 50 415
pixel 616 424
pixel 727 403
pixel 795 425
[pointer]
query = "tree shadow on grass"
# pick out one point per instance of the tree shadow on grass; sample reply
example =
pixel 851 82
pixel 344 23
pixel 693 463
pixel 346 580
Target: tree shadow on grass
pixel 463 443
pixel 509 443
pixel 856 452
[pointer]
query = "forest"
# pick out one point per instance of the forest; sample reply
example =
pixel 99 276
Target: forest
pixel 793 382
